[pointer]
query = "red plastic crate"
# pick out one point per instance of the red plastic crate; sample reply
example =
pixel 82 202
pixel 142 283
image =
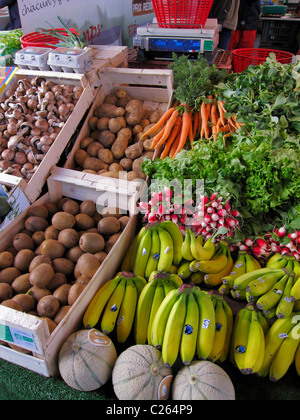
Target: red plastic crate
pixel 36 39
pixel 244 57
pixel 188 14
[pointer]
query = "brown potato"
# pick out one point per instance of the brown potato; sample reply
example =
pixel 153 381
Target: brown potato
pixel 126 164
pixel 94 164
pixel 114 125
pixel 92 122
pixel 94 148
pixel 134 151
pixel 106 156
pixel 134 112
pixel 86 141
pixel 102 123
pixel 108 226
pixel 136 167
pixel 106 138
pixel 109 111
pixel 80 156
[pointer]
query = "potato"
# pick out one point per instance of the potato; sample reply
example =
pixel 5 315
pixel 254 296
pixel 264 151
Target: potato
pixel 102 124
pixel 94 164
pixel 131 176
pixel 126 164
pixel 110 174
pixel 121 93
pixel 124 101
pixel 93 148
pixel 108 226
pixel 134 112
pixel 119 146
pixel 147 145
pixel 92 122
pixel 134 151
pixel 86 142
pixel 114 125
pixel 154 117
pixel 106 156
pixel 107 138
pixel 109 111
pixel 122 121
pixel 136 167
pixel 111 98
pixel 80 156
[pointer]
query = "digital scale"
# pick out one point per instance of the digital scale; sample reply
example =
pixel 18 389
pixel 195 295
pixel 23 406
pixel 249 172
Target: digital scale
pixel 154 42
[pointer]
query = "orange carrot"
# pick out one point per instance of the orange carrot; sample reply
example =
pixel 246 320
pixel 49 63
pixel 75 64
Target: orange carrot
pixel 168 127
pixel 221 111
pixel 224 128
pixel 186 123
pixel 175 144
pixel 172 137
pixel 157 137
pixel 204 127
pixel 199 122
pixel 195 123
pixel 160 122
pixel 214 120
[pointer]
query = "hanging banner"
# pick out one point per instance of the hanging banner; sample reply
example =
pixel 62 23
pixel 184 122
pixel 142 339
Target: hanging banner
pixel 102 22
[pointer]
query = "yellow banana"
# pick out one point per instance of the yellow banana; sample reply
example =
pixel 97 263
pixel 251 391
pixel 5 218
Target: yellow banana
pixel 239 268
pixel 285 355
pixel 270 313
pixel 177 237
pixel 254 355
pixel 199 251
pixel 175 280
pixel 173 331
pixel 154 254
pixel 296 268
pixel 143 311
pixel 143 253
pixel 295 292
pixel 135 246
pixel 238 315
pixel 264 323
pixel 240 338
pixel 251 263
pixel 127 312
pixel 264 283
pixel 186 246
pixel 276 334
pixel 257 264
pixel 97 304
pixel 188 343
pixel 216 279
pixel 229 330
pixel 161 318
pixel 183 270
pixel 217 263
pixel 297 360
pixel 207 321
pixel 197 277
pixel 273 296
pixel 241 282
pixel 166 253
pixel 286 304
pixel 158 297
pixel 139 282
pixel 221 332
pixel 277 261
pixel 112 308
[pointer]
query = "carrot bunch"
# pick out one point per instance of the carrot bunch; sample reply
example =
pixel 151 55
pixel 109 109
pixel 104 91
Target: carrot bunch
pixel 179 125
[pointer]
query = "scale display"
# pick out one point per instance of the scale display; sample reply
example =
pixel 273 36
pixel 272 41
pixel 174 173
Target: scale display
pixel 174 45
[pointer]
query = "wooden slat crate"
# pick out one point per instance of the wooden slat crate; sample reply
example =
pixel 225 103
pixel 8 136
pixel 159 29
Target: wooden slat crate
pixel 30 332
pixel 153 87
pixel 34 187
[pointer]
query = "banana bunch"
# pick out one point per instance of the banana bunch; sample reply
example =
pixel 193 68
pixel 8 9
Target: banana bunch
pixel 152 295
pixel 245 263
pixel 184 325
pixel 282 348
pixel 194 247
pixel 156 247
pixel 114 305
pixel 224 327
pixel 247 349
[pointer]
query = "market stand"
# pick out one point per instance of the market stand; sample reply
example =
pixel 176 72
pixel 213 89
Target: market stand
pixel 80 187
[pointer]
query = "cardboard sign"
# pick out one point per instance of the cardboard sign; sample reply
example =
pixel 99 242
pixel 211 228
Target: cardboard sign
pixel 102 22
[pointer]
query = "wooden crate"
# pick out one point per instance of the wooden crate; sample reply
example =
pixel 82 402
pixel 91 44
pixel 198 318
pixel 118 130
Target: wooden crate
pixel 153 87
pixel 34 187
pixel 30 332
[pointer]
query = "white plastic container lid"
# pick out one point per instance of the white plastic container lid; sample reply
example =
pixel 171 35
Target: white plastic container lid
pixel 67 57
pixel 32 56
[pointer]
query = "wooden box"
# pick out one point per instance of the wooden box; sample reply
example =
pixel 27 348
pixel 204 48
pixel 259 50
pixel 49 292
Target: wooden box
pixel 153 87
pixel 34 186
pixel 30 332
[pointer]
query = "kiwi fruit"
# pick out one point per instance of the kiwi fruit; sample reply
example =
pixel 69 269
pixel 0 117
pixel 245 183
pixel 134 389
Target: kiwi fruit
pixel 74 253
pixel 39 259
pixel 38 237
pixel 71 206
pixel 123 221
pixel 51 324
pixel 82 279
pixel 84 222
pixel 88 264
pixel 91 242
pixel 100 256
pixel 57 280
pixel 62 312
pixel 38 292
pixel 26 301
pixel 74 292
pixel 88 207
pixel 36 223
pixel 23 241
pixel 48 306
pixel 6 259
pixel 61 293
pixel 6 292
pixel 51 232
pixel 62 220
pixel 109 225
pixel 39 211
pixel 21 284
pixel 10 303
pixel 68 237
pixel 52 208
pixel 52 248
pixel 63 265
pixel 23 259
pixel 41 275
pixel 9 274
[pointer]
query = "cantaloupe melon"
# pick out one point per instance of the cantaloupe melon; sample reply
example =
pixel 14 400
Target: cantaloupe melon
pixel 86 360
pixel 202 380
pixel 139 374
